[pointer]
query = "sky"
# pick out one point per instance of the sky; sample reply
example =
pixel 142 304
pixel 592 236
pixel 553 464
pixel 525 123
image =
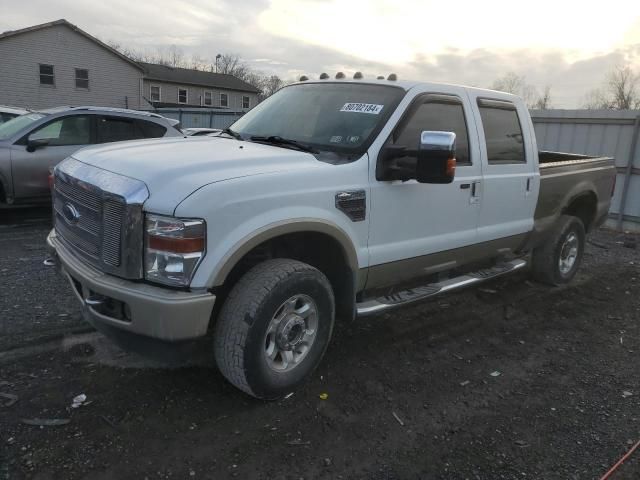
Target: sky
pixel 566 44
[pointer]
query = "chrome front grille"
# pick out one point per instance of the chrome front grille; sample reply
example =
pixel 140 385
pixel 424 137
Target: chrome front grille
pixel 98 214
pixel 78 212
pixel 112 215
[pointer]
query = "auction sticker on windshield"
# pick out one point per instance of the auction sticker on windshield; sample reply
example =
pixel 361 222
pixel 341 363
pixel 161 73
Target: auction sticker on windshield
pixel 362 108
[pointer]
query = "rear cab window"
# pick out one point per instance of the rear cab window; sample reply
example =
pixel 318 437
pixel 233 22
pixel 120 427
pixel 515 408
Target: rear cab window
pixel 502 132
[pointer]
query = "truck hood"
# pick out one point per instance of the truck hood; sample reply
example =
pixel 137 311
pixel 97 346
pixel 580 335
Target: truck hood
pixel 174 168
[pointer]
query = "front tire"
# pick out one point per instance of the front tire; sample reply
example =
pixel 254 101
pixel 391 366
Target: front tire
pixel 274 327
pixel 558 259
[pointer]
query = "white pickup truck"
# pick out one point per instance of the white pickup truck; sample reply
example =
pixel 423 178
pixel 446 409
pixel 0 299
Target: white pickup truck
pixel 333 198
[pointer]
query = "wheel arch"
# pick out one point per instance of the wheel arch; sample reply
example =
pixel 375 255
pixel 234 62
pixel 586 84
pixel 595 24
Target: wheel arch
pixel 326 247
pixel 584 206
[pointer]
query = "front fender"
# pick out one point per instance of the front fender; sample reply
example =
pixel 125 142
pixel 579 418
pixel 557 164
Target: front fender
pixel 276 229
pixel 242 213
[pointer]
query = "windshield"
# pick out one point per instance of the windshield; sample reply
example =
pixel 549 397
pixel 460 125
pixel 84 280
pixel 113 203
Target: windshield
pixel 339 117
pixel 13 126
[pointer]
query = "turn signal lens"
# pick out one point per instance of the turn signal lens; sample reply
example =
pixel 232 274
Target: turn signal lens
pixel 451 167
pixel 174 248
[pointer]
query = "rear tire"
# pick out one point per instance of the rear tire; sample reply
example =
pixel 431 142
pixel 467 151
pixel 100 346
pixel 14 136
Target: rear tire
pixel 557 260
pixel 274 328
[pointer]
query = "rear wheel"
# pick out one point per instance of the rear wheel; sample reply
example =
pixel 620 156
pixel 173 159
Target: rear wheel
pixel 274 327
pixel 557 260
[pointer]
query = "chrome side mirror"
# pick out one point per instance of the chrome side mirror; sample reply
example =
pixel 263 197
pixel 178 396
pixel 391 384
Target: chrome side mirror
pixel 436 157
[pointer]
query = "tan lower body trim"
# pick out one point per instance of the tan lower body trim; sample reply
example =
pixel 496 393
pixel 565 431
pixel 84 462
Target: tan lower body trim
pixel 393 273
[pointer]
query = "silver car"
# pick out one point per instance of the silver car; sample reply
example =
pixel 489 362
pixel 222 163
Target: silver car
pixel 33 143
pixel 7 113
pixel 199 131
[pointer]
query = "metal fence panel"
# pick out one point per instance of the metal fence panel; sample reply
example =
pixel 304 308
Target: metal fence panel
pixel 599 132
pixel 201 117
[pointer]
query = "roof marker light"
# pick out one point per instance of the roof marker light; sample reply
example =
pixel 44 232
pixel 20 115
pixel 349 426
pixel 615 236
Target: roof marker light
pixel 304 78
pixel 339 75
pixel 357 76
pixel 380 77
pixel 324 76
pixel 393 77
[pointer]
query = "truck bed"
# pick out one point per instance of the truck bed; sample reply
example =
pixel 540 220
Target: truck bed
pixel 548 159
pixel 565 177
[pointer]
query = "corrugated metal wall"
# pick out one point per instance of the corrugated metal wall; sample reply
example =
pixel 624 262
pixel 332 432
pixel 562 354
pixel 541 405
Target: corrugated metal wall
pixel 201 117
pixel 599 132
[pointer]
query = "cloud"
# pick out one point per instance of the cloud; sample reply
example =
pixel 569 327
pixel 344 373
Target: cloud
pixel 376 37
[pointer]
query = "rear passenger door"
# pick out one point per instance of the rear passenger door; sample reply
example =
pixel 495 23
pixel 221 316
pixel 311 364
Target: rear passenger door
pixel 509 189
pixel 119 129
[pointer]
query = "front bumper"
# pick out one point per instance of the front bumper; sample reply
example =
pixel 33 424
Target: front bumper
pixel 117 306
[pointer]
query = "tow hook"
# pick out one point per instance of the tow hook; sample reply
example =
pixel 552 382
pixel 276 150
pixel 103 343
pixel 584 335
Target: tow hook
pixel 50 261
pixel 95 300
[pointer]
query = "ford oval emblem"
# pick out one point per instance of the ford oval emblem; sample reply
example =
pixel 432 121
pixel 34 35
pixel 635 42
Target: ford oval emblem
pixel 70 213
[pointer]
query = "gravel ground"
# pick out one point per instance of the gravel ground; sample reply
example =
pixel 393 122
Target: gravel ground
pixel 35 303
pixel 514 380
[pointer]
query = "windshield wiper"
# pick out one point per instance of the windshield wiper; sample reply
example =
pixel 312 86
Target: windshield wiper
pixel 231 133
pixel 277 140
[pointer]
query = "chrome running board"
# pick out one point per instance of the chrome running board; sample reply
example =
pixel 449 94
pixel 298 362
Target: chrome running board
pixel 405 297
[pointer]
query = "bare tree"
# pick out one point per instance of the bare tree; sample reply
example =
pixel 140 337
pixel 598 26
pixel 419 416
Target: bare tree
pixel 228 63
pixel 621 91
pixel 509 83
pixel 232 64
pixel 544 100
pixel 517 85
pixel 596 99
pixel 623 87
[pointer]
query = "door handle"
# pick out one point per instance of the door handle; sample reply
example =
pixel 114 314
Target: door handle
pixel 475 198
pixel 465 186
pixel 529 187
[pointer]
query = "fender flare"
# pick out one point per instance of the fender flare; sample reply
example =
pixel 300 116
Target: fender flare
pixel 284 227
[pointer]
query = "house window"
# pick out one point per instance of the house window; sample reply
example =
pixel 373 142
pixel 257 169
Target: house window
pixel 182 95
pixel 82 78
pixel 154 93
pixel 246 101
pixel 46 75
pixel 224 100
pixel 208 98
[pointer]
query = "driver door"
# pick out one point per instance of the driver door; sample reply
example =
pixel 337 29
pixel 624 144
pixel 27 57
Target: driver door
pixel 418 229
pixel 31 169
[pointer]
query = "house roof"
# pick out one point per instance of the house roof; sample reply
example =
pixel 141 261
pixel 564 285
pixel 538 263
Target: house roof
pixel 63 22
pixel 164 73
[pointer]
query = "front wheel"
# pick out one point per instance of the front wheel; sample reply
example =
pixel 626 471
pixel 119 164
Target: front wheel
pixel 274 327
pixel 557 260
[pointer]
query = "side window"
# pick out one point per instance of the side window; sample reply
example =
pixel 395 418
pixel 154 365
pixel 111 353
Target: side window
pixel 46 74
pixel 74 130
pixel 154 91
pixel 502 132
pixel 150 129
pixel 5 117
pixel 433 115
pixel 82 78
pixel 117 129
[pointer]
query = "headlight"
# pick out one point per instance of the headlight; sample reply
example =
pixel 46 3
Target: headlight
pixel 173 249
